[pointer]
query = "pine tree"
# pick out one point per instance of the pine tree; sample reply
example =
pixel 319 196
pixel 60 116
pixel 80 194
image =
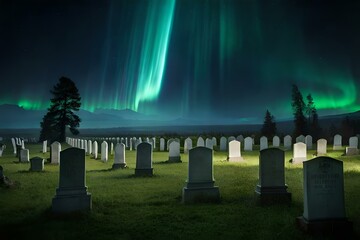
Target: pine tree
pixel 66 100
pixel 269 127
pixel 313 118
pixel 298 107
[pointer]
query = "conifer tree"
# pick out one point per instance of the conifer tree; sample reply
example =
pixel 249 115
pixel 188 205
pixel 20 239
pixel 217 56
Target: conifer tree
pixel 269 127
pixel 298 107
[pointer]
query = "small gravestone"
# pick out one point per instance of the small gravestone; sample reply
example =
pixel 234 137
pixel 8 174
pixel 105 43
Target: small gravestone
pixel 352 149
pixel 214 141
pixel 55 152
pixel 174 152
pixel 209 143
pixel 44 148
pixel 200 183
pixel 337 142
pixel 71 195
pixel 2 148
pixel 300 152
pixel 18 149
pixel 235 151
pixel 104 151
pixel 162 144
pixel 240 138
pixel 321 147
pixel 287 142
pixel 223 144
pixel 36 164
pixel 187 145
pixel 153 141
pixel 119 158
pixel 24 155
pixel 248 144
pixel 324 204
pixel 144 160
pixel 89 147
pixel 276 141
pixel 111 148
pixel 263 143
pixel 14 145
pixel 231 138
pixel 95 149
pixel 272 188
pixel 86 146
pixel 309 142
pixel 200 142
pixel 300 138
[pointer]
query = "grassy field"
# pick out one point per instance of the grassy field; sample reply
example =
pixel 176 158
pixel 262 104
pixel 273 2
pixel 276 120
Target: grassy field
pixel 125 207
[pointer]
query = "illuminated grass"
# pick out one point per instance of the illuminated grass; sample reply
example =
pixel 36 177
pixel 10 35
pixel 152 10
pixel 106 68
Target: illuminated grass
pixel 125 207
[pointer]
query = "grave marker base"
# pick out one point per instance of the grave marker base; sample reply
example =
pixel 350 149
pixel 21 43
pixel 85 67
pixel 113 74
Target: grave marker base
pixel 119 165
pixel 200 195
pixel 272 195
pixel 144 172
pixel 174 159
pixel 69 201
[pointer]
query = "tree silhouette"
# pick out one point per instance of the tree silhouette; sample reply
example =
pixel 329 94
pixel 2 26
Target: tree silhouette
pixel 66 100
pixel 269 127
pixel 298 107
pixel 313 118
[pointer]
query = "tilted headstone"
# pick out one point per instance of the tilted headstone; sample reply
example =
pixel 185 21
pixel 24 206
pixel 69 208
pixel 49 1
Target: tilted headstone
pixel 248 144
pixel 272 188
pixel 324 204
pixel 174 152
pixel 287 142
pixel 36 164
pixel 235 151
pixel 321 147
pixel 337 142
pixel 95 149
pixel 144 160
pixel 209 143
pixel 55 152
pixel 24 155
pixel 300 138
pixel 299 153
pixel 200 142
pixel 71 195
pixel 276 141
pixel 14 145
pixel 104 151
pixel 162 144
pixel 44 149
pixel 200 183
pixel 263 143
pixel 309 142
pixel 187 145
pixel 223 144
pixel 119 158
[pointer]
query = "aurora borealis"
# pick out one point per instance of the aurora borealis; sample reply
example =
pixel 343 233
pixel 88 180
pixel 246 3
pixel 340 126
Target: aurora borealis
pixel 197 59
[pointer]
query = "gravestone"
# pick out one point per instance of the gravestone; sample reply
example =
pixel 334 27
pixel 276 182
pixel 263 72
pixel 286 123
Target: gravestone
pixel 276 141
pixel 36 164
pixel 321 147
pixel 300 138
pixel 200 183
pixel 14 145
pixel 72 195
pixel 353 142
pixel 248 144
pixel 214 141
pixel 22 144
pixel 324 203
pixel 272 188
pixel 153 141
pixel 337 142
pixel 287 142
pixel 18 149
pixel 24 155
pixel 144 160
pixel 86 146
pixel 240 138
pixel 223 144
pixel 309 142
pixel 200 142
pixel 235 151
pixel 300 152
pixel 263 143
pixel 95 149
pixel 89 147
pixel 174 152
pixel 44 149
pixel 187 145
pixel 119 158
pixel 162 144
pixel 55 152
pixel 104 151
pixel 209 143
pixel 231 138
pixel 111 148
pixel 352 149
pixel 2 148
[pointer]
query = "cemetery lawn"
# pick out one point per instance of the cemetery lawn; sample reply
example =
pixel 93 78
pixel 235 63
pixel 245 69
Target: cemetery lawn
pixel 126 207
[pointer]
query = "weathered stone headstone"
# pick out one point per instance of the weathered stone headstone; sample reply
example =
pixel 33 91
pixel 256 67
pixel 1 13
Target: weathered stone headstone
pixel 309 142
pixel 153 142
pixel 14 145
pixel 111 148
pixel 95 149
pixel 187 145
pixel 248 144
pixel 240 138
pixel 119 158
pixel 299 153
pixel 300 138
pixel 200 142
pixel 22 144
pixel 36 164
pixel 276 141
pixel 71 195
pixel 162 144
pixel 2 148
pixel 86 146
pixel 44 149
pixel 272 188
pixel 104 151
pixel 144 160
pixel 223 144
pixel 337 142
pixel 353 142
pixel 321 147
pixel 214 141
pixel 24 155
pixel 174 152
pixel 235 151
pixel 324 204
pixel 352 149
pixel 200 183
pixel 263 143
pixel 231 138
pixel 209 143
pixel 287 142
pixel 55 152
pixel 89 147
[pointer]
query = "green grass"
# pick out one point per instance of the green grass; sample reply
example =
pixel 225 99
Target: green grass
pixel 125 207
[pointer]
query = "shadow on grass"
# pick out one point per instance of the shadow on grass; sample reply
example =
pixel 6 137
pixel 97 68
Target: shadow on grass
pixel 166 162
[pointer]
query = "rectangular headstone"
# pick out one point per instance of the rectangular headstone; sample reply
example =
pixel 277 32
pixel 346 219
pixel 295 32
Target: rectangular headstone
pixel 235 151
pixel 144 160
pixel 321 147
pixel 119 158
pixel 36 164
pixel 299 154
pixel 174 152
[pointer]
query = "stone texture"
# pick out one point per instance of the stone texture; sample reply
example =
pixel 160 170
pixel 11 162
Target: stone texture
pixel 144 160
pixel 119 158
pixel 55 152
pixel 300 152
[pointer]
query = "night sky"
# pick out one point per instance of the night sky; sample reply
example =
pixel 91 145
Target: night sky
pixel 198 59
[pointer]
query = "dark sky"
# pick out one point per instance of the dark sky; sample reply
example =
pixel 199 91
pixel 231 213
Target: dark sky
pixel 228 60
